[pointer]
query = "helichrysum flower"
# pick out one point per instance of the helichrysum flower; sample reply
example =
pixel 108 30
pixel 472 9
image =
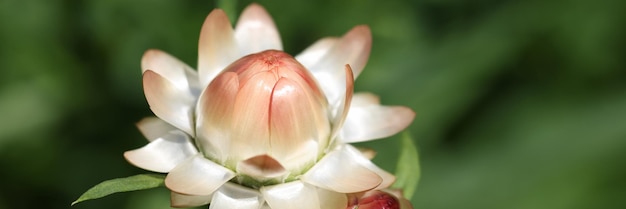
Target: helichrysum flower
pixel 255 127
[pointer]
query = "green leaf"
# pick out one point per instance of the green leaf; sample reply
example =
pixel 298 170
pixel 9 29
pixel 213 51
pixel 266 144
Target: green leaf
pixel 408 168
pixel 132 183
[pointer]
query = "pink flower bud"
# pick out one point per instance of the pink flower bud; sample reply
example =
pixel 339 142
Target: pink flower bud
pixel 264 114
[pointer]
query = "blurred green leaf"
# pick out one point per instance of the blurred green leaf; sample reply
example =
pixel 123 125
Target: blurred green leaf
pixel 229 7
pixel 132 183
pixel 521 104
pixel 408 170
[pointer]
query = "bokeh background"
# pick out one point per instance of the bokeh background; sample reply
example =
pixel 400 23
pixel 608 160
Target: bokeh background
pixel 520 104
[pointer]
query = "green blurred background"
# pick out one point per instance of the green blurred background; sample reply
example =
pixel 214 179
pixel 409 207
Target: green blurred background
pixel 520 104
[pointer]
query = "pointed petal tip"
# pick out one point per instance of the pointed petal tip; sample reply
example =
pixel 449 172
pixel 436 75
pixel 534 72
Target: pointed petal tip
pixel 362 33
pixel 254 6
pixel 216 46
pixel 197 176
pixel 152 52
pixel 349 74
pixel 153 127
pixel 359 42
pixel 128 155
pixel 160 62
pixel 314 53
pixel 156 58
pixel 370 122
pixel 255 31
pixel 409 115
pixel 148 77
pixel 137 158
pixel 162 154
pixel 171 68
pixel 167 101
pixel 217 18
pixel 256 11
pixel 349 83
pixel 363 29
pixel 344 107
pixel 217 11
pixel 363 99
pixel 344 171
pixel 367 152
pixel 326 58
pixel 387 179
pixel 146 57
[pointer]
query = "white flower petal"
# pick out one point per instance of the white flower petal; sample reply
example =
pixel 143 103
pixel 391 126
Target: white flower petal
pixel 178 200
pixel 365 123
pixel 362 99
pixel 330 199
pixel 342 171
pixel 172 69
pixel 217 47
pixel 387 178
pixel 362 159
pixel 256 32
pixel 314 53
pixel 233 196
pixel 197 176
pixel 341 111
pixel 291 195
pixel 367 152
pixel 168 102
pixel 352 49
pixel 164 153
pixel 153 127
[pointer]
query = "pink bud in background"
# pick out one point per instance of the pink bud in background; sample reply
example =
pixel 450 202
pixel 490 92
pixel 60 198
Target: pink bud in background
pixel 378 199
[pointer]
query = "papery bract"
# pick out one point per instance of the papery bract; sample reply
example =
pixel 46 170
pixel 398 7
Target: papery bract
pixel 255 127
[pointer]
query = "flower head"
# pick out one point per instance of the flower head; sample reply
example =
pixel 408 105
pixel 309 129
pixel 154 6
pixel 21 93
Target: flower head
pixel 255 127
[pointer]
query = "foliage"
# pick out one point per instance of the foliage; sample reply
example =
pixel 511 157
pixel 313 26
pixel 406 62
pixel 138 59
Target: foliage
pixel 408 168
pixel 132 183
